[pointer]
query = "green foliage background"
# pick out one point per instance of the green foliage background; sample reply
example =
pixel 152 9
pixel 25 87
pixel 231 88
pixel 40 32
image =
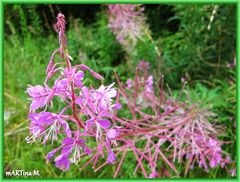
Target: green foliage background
pixel 188 50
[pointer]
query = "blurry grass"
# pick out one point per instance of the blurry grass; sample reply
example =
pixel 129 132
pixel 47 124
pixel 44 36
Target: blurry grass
pixel 24 63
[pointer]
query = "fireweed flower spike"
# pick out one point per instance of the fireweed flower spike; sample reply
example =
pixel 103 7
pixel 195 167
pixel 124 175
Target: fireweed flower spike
pixel 95 104
pixel 126 22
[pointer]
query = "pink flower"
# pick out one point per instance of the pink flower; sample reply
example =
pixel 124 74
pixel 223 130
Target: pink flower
pixel 143 65
pixel 211 150
pixel 62 162
pixel 149 85
pixel 35 128
pixel 48 125
pixel 111 157
pixel 117 106
pixel 62 88
pixel 78 77
pixel 100 124
pixel 102 97
pixel 126 22
pixel 153 174
pixel 129 83
pixel 112 134
pixel 70 147
pixel 39 96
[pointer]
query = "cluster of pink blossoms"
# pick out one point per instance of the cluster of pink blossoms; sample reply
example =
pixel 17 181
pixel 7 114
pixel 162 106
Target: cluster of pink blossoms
pixel 155 126
pixel 184 126
pixel 96 105
pixel 126 22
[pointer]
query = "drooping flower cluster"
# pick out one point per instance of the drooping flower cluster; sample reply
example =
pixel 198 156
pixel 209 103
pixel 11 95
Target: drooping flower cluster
pixel 198 142
pixel 126 22
pixel 96 105
pixel 159 127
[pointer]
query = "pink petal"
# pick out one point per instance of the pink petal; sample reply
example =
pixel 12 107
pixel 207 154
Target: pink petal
pixel 112 93
pixel 112 134
pixel 36 104
pixel 104 123
pixel 89 124
pixel 67 141
pixel 36 91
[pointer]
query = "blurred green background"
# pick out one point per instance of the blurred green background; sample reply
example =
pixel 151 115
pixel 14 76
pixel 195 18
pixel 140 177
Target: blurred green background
pixel 188 50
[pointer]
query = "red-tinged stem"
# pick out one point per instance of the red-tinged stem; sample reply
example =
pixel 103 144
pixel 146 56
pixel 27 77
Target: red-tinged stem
pixel 173 132
pixel 124 93
pixel 173 110
pixel 88 162
pixel 134 123
pixel 140 163
pixel 167 161
pixel 115 110
pixel 140 120
pixel 157 128
pixel 144 124
pixel 74 108
pixel 140 152
pixel 80 123
pixel 135 93
pixel 159 136
pixel 160 90
pixel 134 148
pixel 85 153
pixel 180 94
pixel 63 110
pixel 95 162
pixel 120 163
pixel 130 125
pixel 105 163
pixel 63 54
pixel 142 113
pixel 141 157
pixel 101 166
pixel 188 165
